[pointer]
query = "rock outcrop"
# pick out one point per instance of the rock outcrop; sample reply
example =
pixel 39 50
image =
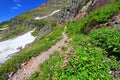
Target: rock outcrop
pixel 77 9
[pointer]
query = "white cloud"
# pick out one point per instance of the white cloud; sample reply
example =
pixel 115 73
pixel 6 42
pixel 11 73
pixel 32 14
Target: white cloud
pixel 19 5
pixel 14 8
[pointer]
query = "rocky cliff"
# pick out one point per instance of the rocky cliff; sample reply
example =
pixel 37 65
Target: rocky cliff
pixel 76 9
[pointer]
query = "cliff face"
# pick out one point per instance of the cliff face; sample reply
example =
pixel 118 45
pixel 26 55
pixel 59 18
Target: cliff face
pixel 70 10
pixel 77 9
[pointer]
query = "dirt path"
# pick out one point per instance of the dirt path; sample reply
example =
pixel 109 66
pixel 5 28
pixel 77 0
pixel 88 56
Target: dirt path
pixel 33 64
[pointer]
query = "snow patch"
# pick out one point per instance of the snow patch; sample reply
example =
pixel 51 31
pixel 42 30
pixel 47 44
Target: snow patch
pixel 1 29
pixel 9 47
pixel 54 12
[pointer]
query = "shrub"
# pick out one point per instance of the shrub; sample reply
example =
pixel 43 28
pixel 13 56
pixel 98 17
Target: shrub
pixel 88 64
pixel 108 39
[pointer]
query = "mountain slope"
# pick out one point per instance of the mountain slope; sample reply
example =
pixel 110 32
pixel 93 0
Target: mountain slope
pixel 26 21
pixel 86 56
pixel 70 9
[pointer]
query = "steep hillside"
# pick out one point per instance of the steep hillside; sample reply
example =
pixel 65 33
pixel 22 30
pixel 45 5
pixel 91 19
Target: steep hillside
pixel 92 46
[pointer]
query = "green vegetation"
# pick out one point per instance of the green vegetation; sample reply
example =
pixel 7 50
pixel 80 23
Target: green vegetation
pixel 86 61
pixel 89 62
pixel 108 39
pixel 92 56
pixel 94 18
pixel 35 49
pixel 36 32
pixel 15 30
pixel 40 23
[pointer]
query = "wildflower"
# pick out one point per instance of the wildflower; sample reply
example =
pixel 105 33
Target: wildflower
pixel 77 59
pixel 53 78
pixel 51 68
pixel 107 59
pixel 74 66
pixel 70 48
pixel 67 57
pixel 75 53
pixel 64 65
pixel 110 72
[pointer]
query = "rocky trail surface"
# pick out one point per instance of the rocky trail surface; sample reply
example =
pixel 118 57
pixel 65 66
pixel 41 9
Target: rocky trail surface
pixel 33 64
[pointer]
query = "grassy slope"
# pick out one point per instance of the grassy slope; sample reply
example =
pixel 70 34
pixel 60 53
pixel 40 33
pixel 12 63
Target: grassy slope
pixel 92 61
pixel 41 45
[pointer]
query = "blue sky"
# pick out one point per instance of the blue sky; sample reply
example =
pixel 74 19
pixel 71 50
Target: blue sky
pixel 12 8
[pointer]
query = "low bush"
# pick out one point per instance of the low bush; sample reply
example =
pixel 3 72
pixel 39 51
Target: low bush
pixel 108 39
pixel 87 64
